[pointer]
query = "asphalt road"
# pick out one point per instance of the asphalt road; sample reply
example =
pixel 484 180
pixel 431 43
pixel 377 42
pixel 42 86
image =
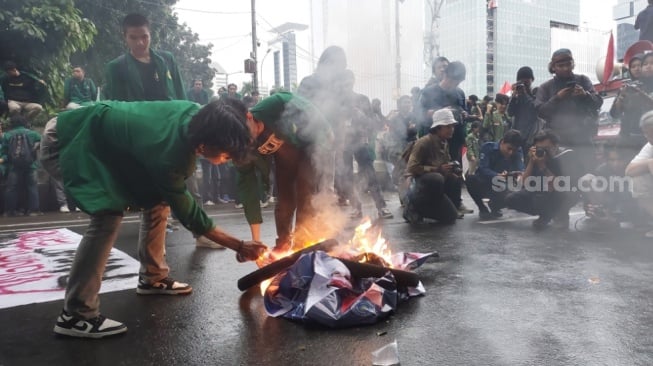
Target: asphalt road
pixel 500 294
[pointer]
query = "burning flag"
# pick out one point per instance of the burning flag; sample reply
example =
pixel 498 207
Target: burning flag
pixel 356 283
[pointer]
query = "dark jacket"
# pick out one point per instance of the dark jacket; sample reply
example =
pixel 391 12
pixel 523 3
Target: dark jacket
pixel 492 162
pixel 124 80
pixel 23 88
pixel 434 98
pixel 575 120
pixel 525 120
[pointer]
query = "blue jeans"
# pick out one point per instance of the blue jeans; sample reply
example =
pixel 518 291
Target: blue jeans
pixel 26 180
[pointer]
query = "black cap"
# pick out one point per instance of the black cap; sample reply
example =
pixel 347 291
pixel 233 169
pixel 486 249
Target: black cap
pixel 525 73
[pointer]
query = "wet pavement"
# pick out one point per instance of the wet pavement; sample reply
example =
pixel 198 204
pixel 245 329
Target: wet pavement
pixel 500 294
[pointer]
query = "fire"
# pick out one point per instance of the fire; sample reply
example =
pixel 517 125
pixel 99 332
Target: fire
pixel 369 240
pixel 367 245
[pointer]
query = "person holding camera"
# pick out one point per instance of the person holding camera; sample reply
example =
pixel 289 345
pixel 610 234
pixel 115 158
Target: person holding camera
pixel 434 179
pixel 631 103
pixel 501 162
pixel 570 106
pixel 548 182
pixel 496 120
pixel 522 108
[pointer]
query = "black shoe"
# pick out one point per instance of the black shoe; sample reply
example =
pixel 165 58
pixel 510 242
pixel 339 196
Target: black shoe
pixel 541 222
pixel 98 327
pixel 166 286
pixel 485 216
pixel 496 214
pixel 411 216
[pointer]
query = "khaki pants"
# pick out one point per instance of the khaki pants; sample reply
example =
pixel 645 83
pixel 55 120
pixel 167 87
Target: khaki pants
pixel 31 110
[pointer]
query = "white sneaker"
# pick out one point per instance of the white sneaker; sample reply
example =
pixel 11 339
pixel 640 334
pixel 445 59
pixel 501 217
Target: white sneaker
pixel 264 204
pixel 64 209
pixel 209 203
pixel 238 205
pixel 204 242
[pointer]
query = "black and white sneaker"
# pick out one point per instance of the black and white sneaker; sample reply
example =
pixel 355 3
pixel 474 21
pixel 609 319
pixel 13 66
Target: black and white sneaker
pixel 166 286
pixel 98 327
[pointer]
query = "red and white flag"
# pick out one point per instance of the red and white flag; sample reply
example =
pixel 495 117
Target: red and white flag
pixel 609 61
pixel 506 88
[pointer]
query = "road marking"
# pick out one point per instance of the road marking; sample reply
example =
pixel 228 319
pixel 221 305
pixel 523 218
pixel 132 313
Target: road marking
pixel 525 218
pixel 131 219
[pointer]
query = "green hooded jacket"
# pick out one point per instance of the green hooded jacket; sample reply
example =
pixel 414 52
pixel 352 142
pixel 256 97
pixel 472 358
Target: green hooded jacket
pixel 123 81
pixel 292 119
pixel 118 155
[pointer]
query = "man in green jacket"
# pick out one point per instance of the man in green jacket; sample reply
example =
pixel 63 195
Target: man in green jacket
pixel 78 90
pixel 292 130
pixel 142 73
pixel 19 155
pixel 115 155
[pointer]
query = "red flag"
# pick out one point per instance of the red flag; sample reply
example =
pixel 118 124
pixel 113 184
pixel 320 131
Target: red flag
pixel 506 88
pixel 609 61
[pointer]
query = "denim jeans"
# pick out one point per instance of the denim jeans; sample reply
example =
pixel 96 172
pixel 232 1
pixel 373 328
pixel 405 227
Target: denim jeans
pixel 26 180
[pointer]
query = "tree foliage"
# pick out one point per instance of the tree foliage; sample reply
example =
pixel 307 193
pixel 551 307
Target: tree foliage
pixel 41 35
pixel 167 34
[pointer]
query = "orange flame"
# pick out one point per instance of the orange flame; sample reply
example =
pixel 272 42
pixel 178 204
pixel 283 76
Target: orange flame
pixel 363 243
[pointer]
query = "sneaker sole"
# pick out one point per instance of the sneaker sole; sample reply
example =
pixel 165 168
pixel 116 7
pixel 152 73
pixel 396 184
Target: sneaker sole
pixel 156 291
pixel 78 334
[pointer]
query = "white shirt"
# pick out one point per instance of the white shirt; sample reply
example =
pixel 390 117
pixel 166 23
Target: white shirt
pixel 643 184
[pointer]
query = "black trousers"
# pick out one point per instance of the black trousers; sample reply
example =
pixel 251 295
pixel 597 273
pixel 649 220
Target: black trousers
pixel 544 204
pixel 435 197
pixel 481 187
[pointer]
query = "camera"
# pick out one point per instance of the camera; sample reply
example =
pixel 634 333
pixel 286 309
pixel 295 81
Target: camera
pixel 540 152
pixel 520 85
pixel 456 168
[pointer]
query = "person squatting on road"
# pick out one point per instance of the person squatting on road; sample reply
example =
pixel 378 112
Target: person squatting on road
pixel 434 182
pixel 115 155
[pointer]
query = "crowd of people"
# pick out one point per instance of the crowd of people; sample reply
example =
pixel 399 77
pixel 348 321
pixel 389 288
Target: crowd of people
pixel 138 144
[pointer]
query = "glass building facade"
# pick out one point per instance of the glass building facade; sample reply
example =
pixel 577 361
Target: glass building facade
pixel 522 37
pixel 625 13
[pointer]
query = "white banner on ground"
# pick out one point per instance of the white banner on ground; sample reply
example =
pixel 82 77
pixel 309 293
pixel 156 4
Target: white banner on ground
pixel 34 267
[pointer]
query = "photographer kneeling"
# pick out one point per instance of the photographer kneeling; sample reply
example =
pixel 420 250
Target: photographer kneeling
pixel 548 185
pixel 499 162
pixel 435 180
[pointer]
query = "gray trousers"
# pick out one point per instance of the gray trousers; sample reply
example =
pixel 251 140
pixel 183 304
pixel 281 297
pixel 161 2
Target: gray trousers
pixel 86 273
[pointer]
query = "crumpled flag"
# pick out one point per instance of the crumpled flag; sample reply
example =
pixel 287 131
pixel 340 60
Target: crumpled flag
pixel 319 289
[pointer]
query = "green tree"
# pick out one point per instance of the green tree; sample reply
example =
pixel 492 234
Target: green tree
pixel 40 36
pixel 167 34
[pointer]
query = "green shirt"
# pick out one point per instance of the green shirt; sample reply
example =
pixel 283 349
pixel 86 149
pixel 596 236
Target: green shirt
pixel 495 125
pixel 116 155
pixel 124 80
pixel 473 148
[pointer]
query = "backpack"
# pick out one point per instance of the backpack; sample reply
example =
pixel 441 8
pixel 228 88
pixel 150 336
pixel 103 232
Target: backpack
pixel 21 151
